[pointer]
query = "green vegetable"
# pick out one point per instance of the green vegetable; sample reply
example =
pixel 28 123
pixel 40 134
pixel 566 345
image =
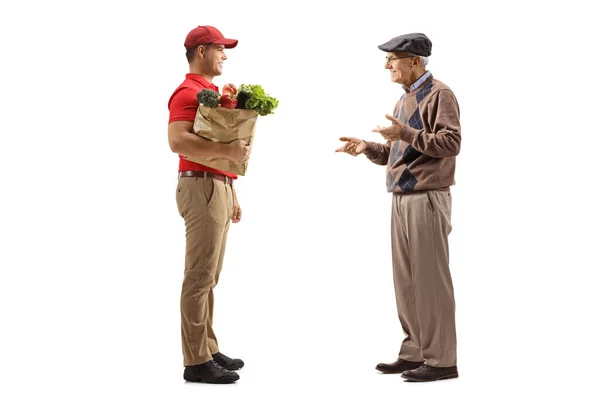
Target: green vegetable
pixel 208 98
pixel 256 99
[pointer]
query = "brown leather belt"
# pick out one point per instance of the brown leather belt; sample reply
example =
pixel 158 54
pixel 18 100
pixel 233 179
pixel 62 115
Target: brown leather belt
pixel 204 174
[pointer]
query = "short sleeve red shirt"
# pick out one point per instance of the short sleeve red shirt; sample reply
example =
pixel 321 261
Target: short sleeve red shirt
pixel 183 106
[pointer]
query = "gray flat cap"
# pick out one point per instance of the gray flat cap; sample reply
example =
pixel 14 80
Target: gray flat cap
pixel 415 43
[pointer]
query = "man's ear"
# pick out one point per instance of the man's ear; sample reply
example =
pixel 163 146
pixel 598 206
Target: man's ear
pixel 201 51
pixel 416 61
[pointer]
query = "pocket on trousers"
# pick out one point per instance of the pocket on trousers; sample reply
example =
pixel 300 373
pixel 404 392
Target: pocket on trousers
pixel 430 200
pixel 209 187
pixel 179 193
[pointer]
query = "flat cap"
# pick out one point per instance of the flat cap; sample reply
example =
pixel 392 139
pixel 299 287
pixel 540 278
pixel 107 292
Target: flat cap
pixel 415 43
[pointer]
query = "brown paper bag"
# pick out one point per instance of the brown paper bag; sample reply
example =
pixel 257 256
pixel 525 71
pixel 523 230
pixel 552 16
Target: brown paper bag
pixel 224 125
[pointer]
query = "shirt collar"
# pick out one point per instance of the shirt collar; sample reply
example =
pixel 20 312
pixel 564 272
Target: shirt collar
pixel 419 82
pixel 201 80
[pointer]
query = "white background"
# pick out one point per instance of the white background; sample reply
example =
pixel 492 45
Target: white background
pixel 92 246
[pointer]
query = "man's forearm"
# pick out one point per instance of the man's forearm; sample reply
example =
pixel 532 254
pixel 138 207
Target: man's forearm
pixel 378 153
pixel 191 145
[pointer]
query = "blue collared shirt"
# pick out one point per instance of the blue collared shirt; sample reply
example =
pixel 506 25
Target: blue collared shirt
pixel 412 88
pixel 420 81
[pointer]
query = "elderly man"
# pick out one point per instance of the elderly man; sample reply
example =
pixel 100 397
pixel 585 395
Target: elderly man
pixel 207 201
pixel 420 153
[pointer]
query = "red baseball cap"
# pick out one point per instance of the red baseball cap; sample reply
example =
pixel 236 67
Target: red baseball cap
pixel 206 35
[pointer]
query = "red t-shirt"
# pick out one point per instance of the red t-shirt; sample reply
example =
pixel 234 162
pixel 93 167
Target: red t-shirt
pixel 183 106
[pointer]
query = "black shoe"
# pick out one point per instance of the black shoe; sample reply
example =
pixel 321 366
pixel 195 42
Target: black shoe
pixel 209 372
pixel 427 373
pixel 232 364
pixel 398 366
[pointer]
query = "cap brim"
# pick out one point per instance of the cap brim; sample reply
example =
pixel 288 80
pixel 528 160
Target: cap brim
pixel 228 43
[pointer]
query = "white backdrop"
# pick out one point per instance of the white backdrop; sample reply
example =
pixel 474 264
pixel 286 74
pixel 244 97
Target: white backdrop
pixel 92 246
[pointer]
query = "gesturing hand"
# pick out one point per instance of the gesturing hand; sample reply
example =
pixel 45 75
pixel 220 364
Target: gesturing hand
pixel 391 133
pixel 353 146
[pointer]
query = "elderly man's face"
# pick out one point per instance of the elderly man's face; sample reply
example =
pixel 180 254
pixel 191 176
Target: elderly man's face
pixel 400 66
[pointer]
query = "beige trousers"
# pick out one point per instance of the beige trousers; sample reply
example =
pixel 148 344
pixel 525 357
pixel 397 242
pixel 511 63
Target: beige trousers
pixel 206 206
pixel 423 285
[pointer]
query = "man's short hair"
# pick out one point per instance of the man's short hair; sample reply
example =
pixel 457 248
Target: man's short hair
pixel 190 54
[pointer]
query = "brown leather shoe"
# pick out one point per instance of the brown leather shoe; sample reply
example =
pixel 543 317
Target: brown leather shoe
pixel 427 373
pixel 397 366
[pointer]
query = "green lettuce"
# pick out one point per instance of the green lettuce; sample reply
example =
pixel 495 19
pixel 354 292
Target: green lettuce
pixel 253 97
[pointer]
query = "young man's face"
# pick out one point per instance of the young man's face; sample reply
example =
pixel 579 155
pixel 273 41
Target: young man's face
pixel 213 57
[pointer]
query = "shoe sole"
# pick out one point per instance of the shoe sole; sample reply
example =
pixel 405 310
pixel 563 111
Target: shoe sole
pixel 235 367
pixel 219 381
pixel 441 378
pixel 223 382
pixel 389 372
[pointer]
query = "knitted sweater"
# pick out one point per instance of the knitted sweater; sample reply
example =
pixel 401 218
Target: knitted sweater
pixel 425 157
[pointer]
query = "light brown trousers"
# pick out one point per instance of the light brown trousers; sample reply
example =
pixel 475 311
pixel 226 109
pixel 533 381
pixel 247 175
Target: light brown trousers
pixel 206 206
pixel 422 281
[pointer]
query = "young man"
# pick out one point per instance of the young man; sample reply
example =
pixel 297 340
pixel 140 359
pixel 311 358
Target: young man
pixel 420 154
pixel 207 201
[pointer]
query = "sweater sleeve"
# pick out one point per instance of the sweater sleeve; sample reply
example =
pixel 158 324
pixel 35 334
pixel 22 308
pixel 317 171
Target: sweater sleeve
pixel 443 115
pixel 378 153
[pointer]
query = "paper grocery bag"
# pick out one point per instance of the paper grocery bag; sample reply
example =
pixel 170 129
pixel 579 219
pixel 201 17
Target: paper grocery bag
pixel 224 125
